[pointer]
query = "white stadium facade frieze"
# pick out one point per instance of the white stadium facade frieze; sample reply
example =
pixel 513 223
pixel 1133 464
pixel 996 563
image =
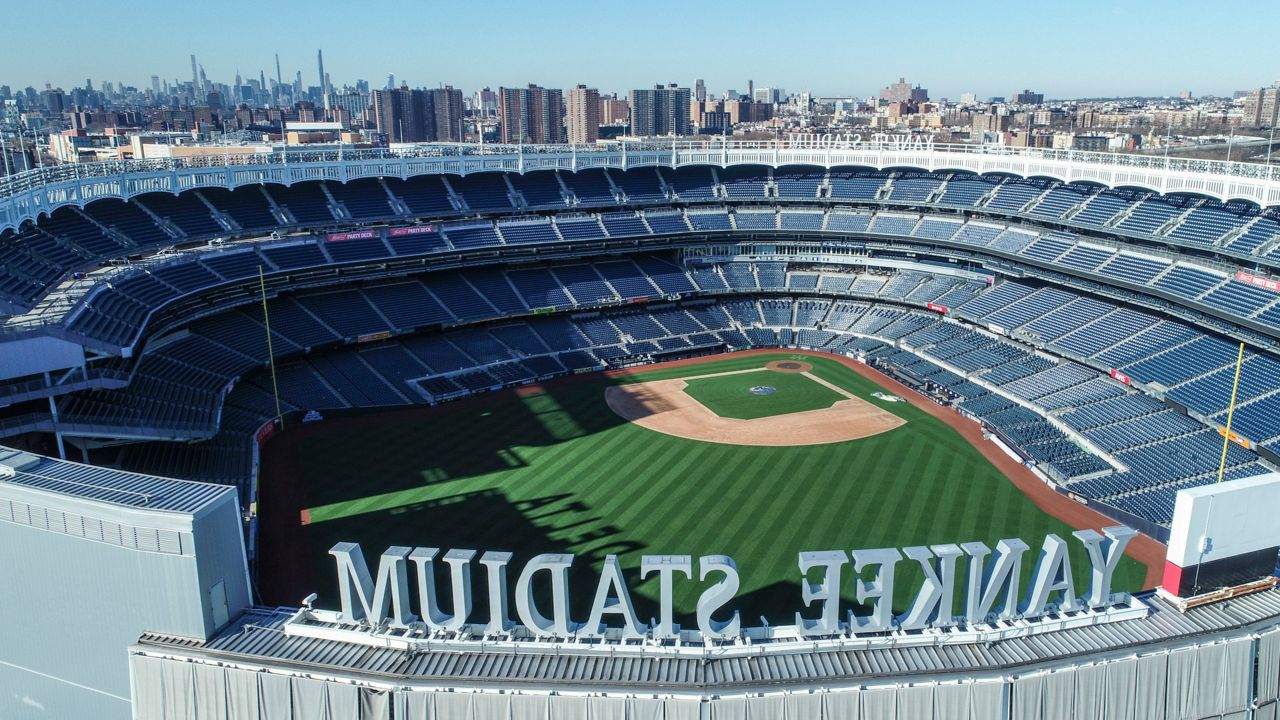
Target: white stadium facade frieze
pixel 27 196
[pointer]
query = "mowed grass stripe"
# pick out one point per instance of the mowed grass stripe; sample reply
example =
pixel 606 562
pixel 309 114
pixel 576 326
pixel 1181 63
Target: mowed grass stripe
pixel 801 489
pixel 668 484
pixel 643 480
pixel 910 509
pixel 705 512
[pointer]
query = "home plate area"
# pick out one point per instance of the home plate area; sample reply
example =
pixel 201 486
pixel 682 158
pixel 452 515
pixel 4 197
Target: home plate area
pixel 781 404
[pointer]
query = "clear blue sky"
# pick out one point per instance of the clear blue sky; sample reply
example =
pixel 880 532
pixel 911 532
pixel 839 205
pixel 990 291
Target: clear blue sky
pixel 1067 49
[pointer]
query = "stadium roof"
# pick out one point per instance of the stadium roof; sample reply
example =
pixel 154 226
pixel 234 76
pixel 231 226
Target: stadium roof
pixel 258 637
pixel 100 484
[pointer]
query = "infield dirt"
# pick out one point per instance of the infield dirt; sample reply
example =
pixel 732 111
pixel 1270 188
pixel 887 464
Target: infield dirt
pixel 664 406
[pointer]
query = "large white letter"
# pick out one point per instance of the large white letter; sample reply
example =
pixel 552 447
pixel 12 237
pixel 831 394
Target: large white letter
pixel 985 583
pixel 496 563
pixel 826 590
pixel 666 566
pixel 934 603
pixel 526 607
pixel 1103 560
pixel 355 584
pixel 715 597
pixel 880 589
pixel 611 581
pixel 1052 574
pixel 460 577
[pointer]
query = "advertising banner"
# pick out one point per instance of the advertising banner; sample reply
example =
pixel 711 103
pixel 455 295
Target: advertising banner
pixel 358 235
pixel 1258 281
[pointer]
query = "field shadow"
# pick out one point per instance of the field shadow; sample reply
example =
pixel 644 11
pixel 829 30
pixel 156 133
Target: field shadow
pixel 637 401
pixel 488 520
pixel 468 438
pixel 484 520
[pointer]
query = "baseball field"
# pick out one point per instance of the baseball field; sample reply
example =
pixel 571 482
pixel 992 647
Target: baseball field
pixel 622 463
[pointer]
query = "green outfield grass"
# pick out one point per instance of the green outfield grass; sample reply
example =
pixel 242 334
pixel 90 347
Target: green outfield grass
pixel 730 396
pixel 557 471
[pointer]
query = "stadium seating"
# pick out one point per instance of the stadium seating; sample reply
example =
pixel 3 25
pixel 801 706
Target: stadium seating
pixel 798 182
pixel 746 183
pixel 691 184
pixel 856 185
pixel 1161 325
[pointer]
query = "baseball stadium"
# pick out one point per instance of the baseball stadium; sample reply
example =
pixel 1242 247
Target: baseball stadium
pixel 260 412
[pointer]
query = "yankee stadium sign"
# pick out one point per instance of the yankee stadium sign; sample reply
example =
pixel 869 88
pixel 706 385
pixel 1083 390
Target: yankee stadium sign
pixel 856 141
pixel 992 590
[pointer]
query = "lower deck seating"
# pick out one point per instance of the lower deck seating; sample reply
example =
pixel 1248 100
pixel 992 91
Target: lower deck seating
pixel 1150 449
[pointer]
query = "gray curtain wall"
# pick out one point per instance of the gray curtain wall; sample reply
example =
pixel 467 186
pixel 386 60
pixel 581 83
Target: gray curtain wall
pixel 1214 680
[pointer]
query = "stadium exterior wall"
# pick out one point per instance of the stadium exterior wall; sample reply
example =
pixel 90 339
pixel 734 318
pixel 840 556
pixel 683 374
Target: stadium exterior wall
pixel 1213 677
pixel 34 193
pixel 84 578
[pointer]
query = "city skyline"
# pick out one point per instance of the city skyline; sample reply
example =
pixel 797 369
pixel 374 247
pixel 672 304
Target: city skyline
pixel 840 57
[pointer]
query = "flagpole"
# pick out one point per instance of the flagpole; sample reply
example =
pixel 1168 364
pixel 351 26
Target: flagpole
pixel 1231 409
pixel 271 355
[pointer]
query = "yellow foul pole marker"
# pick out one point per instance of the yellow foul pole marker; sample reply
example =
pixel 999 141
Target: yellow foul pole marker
pixel 271 354
pixel 1231 409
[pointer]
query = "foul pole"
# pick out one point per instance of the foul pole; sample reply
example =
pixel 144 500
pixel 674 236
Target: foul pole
pixel 1231 409
pixel 271 355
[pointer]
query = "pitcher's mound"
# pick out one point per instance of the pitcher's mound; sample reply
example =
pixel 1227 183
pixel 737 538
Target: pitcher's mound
pixel 663 406
pixel 789 366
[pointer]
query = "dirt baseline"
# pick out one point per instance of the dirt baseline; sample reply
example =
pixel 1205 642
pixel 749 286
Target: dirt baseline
pixel 663 406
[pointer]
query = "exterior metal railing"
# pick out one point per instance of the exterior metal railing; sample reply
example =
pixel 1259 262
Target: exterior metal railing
pixel 337 163
pixel 284 156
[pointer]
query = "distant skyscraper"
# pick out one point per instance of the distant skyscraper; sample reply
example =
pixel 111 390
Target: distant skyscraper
pixel 583 117
pixel 902 91
pixel 351 103
pixel 324 79
pixel 660 111
pixel 532 115
pixel 699 90
pixel 54 100
pixel 446 107
pixel 613 111
pixel 279 90
pixel 405 115
pixel 769 96
pixel 486 102
pixel 195 75
pixel 402 114
pixel 1262 107
pixel 1026 97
